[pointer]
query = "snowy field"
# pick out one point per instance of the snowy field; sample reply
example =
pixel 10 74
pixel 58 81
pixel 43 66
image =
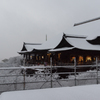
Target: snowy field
pixel 89 92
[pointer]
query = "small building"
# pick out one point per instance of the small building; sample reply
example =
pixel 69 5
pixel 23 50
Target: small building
pixel 65 47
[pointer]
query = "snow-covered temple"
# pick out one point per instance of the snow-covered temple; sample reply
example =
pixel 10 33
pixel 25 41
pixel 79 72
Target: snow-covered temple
pixel 65 47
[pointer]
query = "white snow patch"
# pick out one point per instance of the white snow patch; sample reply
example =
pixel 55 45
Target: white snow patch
pixel 89 92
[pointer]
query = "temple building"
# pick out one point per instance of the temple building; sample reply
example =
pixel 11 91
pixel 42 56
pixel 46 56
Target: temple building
pixel 65 47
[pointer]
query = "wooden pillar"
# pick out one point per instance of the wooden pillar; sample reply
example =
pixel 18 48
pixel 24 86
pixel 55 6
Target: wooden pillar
pixel 92 57
pixel 29 56
pixel 77 58
pixel 34 59
pixel 84 59
pixel 26 56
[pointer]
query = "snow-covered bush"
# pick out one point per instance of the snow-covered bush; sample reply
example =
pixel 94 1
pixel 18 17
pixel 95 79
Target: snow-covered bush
pixel 12 62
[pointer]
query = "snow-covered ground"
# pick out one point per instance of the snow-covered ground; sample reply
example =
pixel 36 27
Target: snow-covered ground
pixel 89 92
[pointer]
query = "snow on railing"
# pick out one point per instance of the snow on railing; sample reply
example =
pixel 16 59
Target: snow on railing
pixel 37 77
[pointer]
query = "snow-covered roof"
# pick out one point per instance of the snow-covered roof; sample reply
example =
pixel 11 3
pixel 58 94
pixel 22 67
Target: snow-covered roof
pixel 81 43
pixel 51 43
pixel 21 52
pixel 31 47
pixel 76 41
pixel 61 49
pixel 47 45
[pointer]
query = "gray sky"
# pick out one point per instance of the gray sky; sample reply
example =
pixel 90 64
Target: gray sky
pixel 30 20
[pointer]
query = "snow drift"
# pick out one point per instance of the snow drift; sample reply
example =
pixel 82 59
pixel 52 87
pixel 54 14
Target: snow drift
pixel 89 92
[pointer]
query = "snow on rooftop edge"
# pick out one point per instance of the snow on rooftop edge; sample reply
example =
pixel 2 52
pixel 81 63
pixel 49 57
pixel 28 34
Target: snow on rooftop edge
pixel 82 44
pixel 88 92
pixel 76 35
pixel 61 49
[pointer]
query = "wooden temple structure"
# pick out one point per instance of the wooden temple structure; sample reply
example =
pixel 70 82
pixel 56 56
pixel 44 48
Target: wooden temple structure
pixel 65 47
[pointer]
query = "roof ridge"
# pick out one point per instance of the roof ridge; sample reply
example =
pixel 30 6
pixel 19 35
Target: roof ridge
pixel 32 43
pixel 84 22
pixel 74 36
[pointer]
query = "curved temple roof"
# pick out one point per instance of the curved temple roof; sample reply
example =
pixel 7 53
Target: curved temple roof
pixel 50 44
pixel 81 43
pixel 75 41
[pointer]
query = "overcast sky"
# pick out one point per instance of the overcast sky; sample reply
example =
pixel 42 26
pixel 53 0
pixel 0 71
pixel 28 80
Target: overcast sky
pixel 30 20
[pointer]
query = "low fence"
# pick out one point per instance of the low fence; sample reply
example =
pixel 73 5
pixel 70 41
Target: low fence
pixel 37 77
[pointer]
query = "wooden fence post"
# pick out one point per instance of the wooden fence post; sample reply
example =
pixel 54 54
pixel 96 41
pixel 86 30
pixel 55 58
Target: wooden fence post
pixel 24 79
pixel 51 70
pixel 97 68
pixel 75 69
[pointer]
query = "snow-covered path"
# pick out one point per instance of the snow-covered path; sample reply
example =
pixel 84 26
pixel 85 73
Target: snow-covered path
pixel 89 92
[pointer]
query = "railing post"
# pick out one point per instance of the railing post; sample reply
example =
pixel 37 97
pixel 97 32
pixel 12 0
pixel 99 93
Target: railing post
pixel 24 79
pixel 23 61
pixel 75 69
pixel 51 70
pixel 97 68
pixel 15 83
